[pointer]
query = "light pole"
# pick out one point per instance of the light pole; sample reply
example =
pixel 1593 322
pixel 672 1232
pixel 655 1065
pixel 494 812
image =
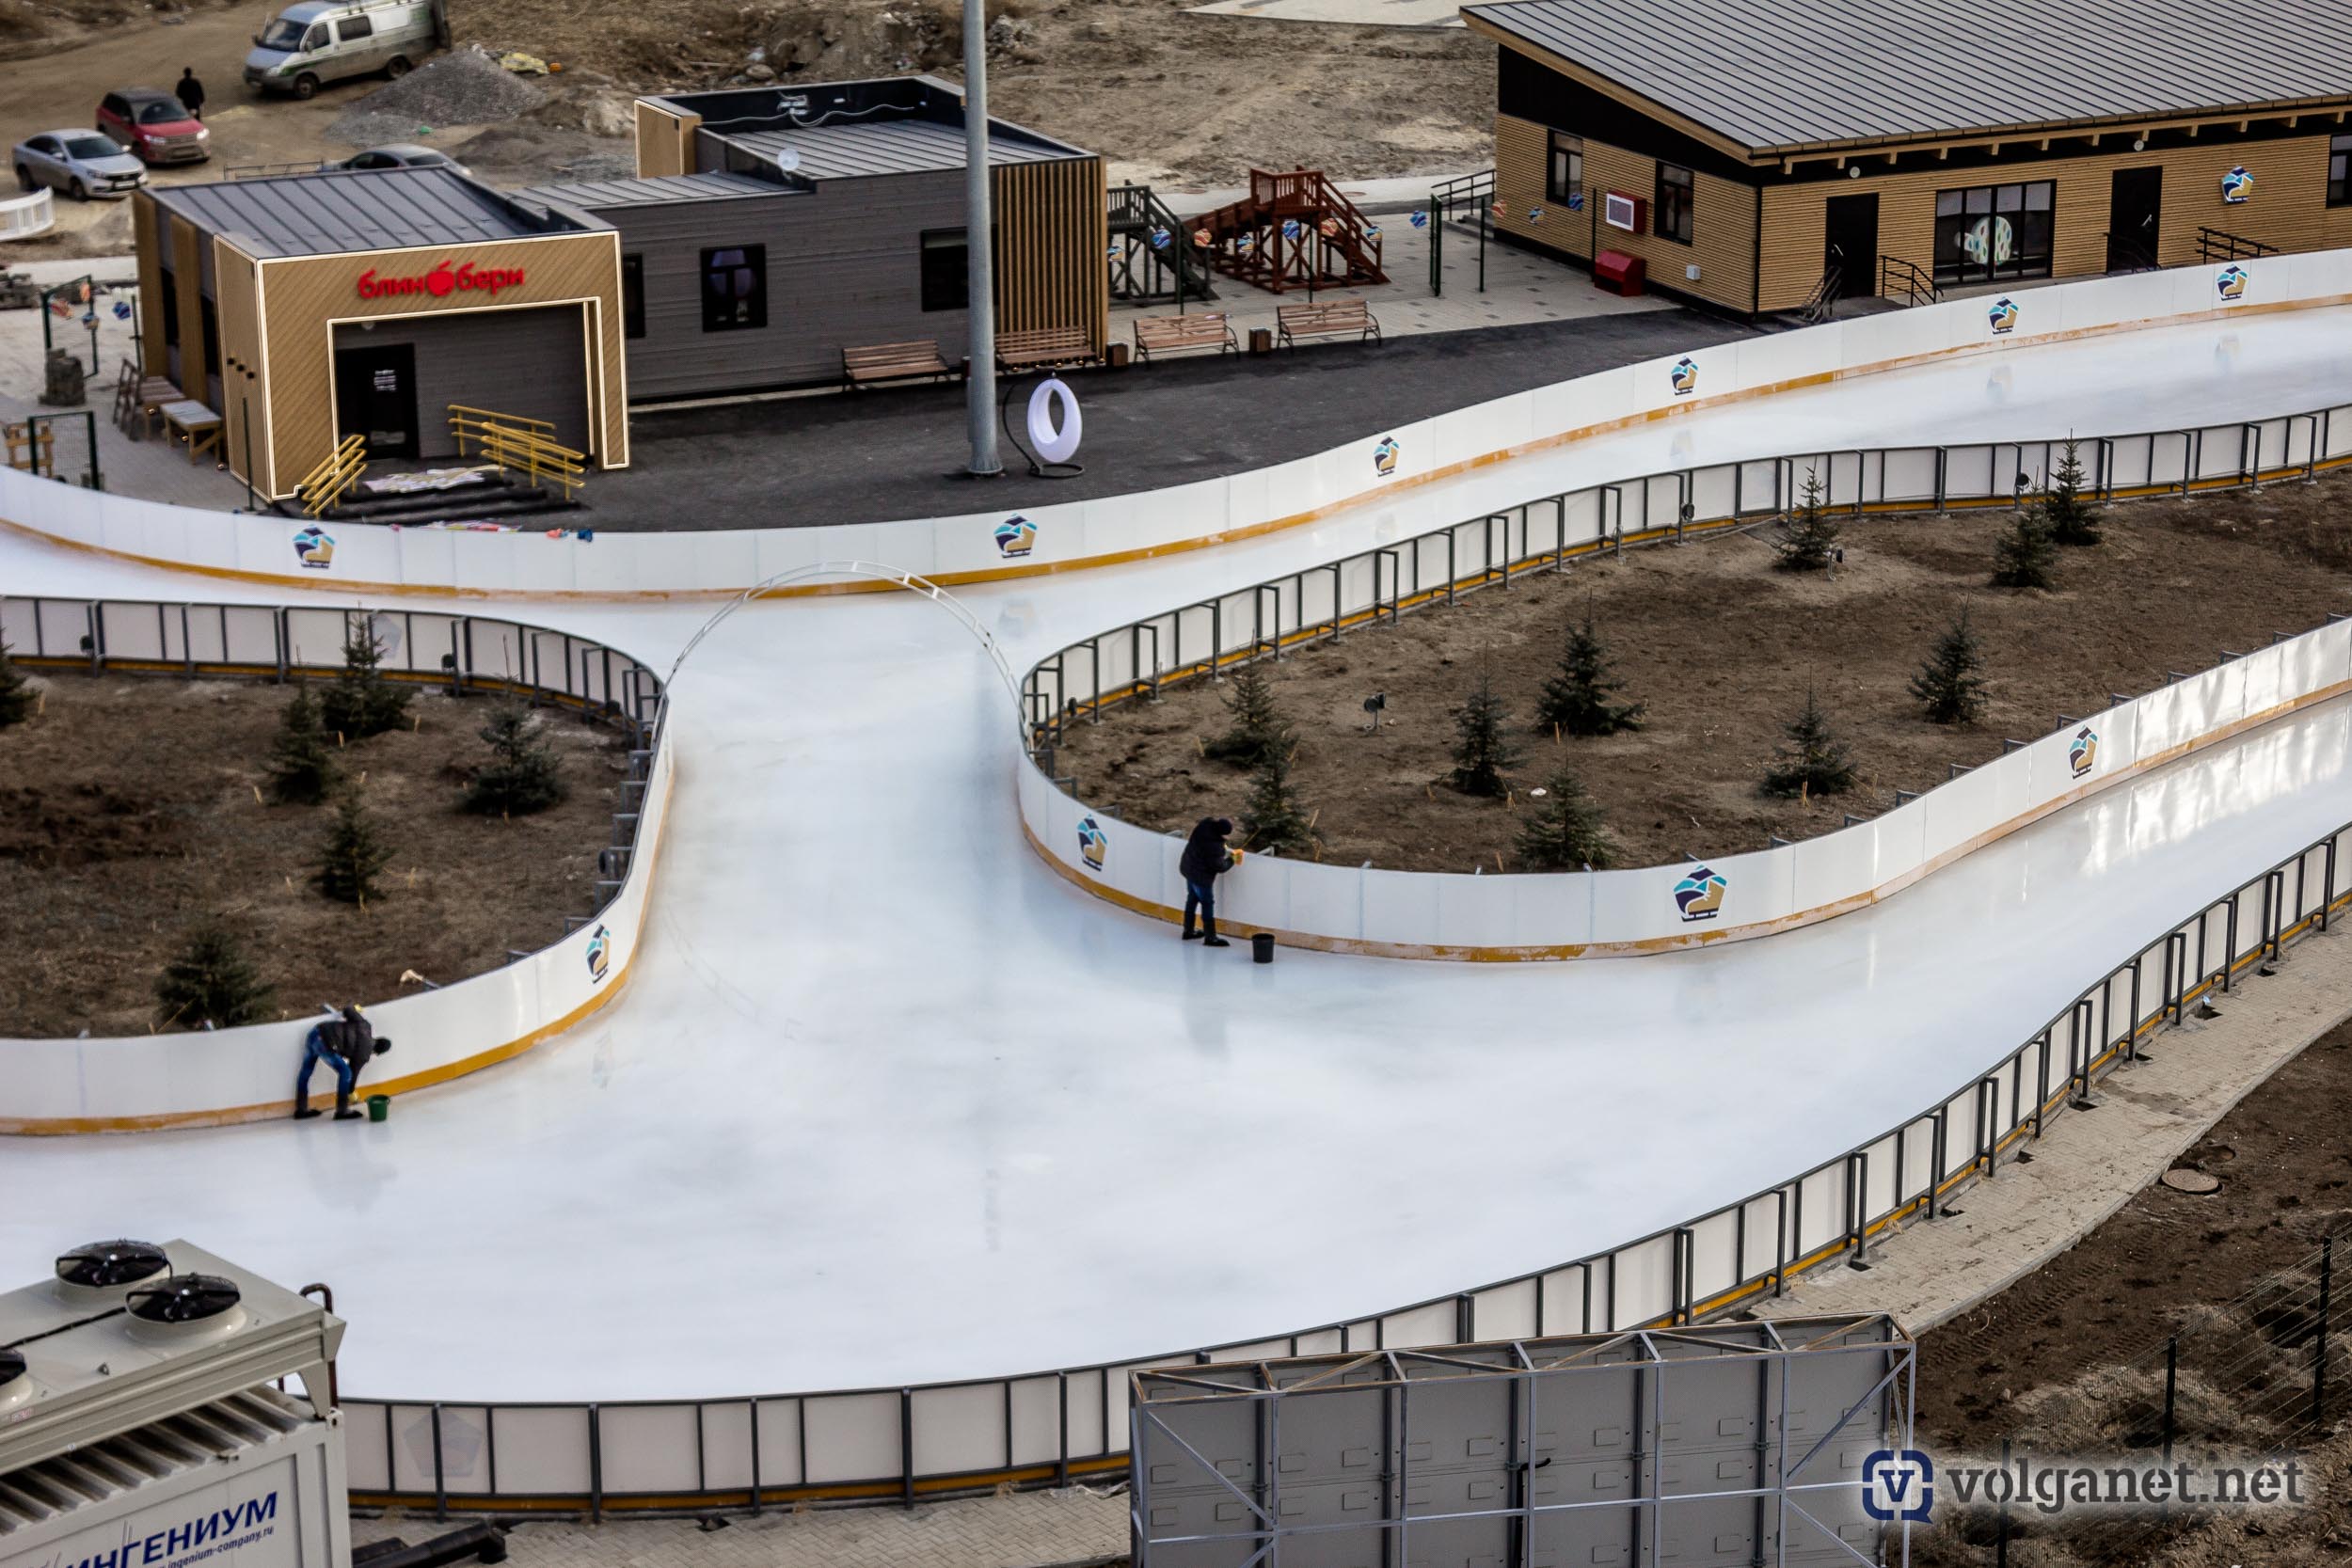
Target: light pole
pixel 978 248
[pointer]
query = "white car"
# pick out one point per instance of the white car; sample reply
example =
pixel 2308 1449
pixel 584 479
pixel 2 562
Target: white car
pixel 81 163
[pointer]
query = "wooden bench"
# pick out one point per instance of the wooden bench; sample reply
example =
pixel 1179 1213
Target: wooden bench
pixel 893 362
pixel 1169 334
pixel 1045 348
pixel 1335 318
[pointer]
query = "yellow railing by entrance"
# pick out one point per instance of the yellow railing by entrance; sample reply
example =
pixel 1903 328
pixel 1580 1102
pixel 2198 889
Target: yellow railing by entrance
pixel 326 484
pixel 521 444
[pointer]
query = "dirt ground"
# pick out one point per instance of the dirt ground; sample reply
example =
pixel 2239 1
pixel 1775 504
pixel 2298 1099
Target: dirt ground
pixel 128 812
pixel 1722 647
pixel 2043 1360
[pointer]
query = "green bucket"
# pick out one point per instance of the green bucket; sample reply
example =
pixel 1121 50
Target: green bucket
pixel 379 1107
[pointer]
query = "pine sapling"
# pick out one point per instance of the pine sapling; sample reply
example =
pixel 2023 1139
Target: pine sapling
pixel 1257 728
pixel 361 702
pixel 211 981
pixel 1274 817
pixel 1576 698
pixel 1483 750
pixel 17 700
pixel 2063 509
pixel 1808 538
pixel 353 855
pixel 520 776
pixel 1564 832
pixel 1813 763
pixel 1951 681
pixel 2026 555
pixel 302 769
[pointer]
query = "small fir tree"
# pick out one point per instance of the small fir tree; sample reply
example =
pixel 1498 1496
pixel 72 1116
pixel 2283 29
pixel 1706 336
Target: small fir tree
pixel 1808 538
pixel 1257 728
pixel 361 702
pixel 2064 512
pixel 353 855
pixel 1273 815
pixel 16 693
pixel 521 776
pixel 1813 763
pixel 2026 555
pixel 1564 831
pixel 1485 748
pixel 1575 700
pixel 302 769
pixel 1951 681
pixel 211 981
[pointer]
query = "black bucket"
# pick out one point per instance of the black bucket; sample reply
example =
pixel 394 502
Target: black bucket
pixel 1262 947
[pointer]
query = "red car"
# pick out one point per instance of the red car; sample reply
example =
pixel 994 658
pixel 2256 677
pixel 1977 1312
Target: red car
pixel 154 126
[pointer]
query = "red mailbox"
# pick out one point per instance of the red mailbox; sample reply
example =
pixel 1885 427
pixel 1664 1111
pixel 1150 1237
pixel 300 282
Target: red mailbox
pixel 1618 272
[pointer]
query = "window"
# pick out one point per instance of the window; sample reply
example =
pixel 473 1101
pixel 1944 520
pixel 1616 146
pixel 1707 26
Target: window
pixel 161 111
pixel 212 340
pixel 1564 175
pixel 632 297
pixel 169 287
pixel 1989 233
pixel 947 270
pixel 2340 171
pixel 1670 214
pixel 735 289
pixel 352 28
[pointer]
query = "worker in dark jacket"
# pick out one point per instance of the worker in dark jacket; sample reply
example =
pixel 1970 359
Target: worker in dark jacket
pixel 1204 860
pixel 345 1043
pixel 190 92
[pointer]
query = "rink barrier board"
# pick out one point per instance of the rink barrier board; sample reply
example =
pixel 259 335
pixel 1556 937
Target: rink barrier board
pixel 381 561
pixel 907 1443
pixel 1549 916
pixel 209 1078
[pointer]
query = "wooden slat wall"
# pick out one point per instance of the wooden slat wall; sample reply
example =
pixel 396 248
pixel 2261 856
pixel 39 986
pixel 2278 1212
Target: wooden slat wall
pixel 240 357
pixel 2288 208
pixel 146 219
pixel 187 284
pixel 1722 225
pixel 1053 234
pixel 662 140
pixel 302 295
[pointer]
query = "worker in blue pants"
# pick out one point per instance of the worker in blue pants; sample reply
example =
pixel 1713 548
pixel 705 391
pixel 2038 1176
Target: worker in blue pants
pixel 345 1043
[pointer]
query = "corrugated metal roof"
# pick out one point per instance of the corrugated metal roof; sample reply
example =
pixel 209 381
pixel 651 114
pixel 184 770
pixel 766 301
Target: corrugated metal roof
pixel 598 194
pixel 853 151
pixel 1792 73
pixel 319 215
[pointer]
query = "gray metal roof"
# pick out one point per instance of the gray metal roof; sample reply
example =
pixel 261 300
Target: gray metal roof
pixel 325 213
pixel 885 146
pixel 594 195
pixel 1777 74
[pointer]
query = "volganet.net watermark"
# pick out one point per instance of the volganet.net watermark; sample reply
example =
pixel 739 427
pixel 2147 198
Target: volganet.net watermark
pixel 1905 1484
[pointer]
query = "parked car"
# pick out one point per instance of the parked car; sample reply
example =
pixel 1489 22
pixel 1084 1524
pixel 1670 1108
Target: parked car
pixel 154 125
pixel 401 155
pixel 325 40
pixel 83 163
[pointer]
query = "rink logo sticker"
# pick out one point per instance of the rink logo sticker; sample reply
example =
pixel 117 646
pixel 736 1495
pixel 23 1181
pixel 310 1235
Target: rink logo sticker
pixel 1015 537
pixel 2002 313
pixel 1384 456
pixel 1685 376
pixel 1700 894
pixel 600 956
pixel 2230 281
pixel 2236 186
pixel 315 549
pixel 1093 844
pixel 2082 755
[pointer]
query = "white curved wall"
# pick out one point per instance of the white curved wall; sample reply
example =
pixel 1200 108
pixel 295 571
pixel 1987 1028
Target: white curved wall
pixel 950 550
pixel 1425 914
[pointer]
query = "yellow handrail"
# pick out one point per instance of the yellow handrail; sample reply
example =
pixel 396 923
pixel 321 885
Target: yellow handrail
pixel 520 444
pixel 337 472
pixel 463 416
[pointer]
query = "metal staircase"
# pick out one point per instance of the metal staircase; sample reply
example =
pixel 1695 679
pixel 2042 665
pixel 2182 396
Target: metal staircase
pixel 1292 230
pixel 1153 258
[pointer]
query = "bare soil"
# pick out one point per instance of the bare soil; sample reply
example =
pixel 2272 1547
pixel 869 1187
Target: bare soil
pixel 129 813
pixel 1723 648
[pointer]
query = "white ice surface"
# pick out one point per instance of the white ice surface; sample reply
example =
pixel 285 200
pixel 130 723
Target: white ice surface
pixel 887 1101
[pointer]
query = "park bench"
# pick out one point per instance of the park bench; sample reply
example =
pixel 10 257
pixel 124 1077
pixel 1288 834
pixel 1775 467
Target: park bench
pixel 893 362
pixel 1169 334
pixel 1330 318
pixel 1043 348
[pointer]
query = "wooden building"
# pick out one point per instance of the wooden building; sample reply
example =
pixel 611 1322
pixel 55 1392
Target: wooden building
pixel 1754 155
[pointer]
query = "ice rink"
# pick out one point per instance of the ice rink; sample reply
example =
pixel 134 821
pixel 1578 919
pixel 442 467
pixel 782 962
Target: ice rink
pixel 886 1101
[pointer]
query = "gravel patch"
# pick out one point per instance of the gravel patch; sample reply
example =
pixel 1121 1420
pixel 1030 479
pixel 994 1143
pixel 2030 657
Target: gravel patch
pixel 465 87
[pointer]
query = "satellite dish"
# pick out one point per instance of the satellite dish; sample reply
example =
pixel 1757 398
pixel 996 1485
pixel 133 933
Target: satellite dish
pixel 788 158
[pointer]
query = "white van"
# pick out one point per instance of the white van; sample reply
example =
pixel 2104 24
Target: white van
pixel 325 40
